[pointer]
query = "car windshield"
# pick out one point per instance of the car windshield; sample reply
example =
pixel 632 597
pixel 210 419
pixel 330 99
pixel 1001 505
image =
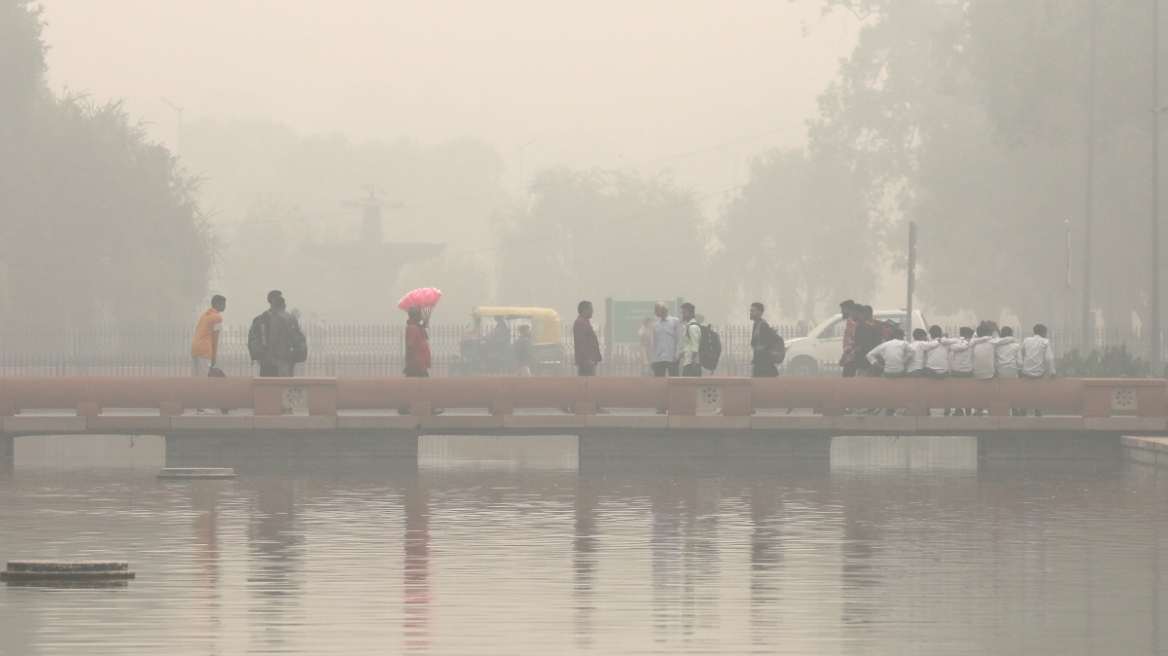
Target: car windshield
pixel 834 331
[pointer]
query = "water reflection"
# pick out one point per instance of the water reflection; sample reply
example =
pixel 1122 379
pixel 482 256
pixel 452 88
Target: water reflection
pixel 526 545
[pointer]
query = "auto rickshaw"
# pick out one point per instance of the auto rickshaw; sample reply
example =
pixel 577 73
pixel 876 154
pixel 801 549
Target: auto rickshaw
pixel 490 348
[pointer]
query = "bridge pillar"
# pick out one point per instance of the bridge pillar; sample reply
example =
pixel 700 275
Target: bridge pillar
pixel 1049 445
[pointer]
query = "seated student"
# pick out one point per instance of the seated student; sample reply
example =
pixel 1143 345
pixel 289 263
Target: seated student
pixel 1037 359
pixel 916 360
pixel 1007 354
pixel 982 349
pixel 936 355
pixel 960 361
pixel 960 354
pixel 893 355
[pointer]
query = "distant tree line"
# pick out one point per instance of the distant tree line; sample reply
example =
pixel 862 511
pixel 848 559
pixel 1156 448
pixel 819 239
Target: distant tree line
pixel 96 222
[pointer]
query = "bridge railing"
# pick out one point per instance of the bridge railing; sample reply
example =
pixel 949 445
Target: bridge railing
pixel 93 396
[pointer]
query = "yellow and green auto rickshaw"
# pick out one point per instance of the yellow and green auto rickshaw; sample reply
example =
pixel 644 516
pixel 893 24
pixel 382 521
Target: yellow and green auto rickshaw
pixel 489 346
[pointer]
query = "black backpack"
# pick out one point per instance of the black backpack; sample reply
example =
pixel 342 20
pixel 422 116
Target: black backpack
pixel 709 348
pixel 778 349
pixel 299 345
pixel 255 337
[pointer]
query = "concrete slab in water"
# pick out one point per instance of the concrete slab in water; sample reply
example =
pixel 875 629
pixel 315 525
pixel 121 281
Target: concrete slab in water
pixel 197 472
pixel 84 570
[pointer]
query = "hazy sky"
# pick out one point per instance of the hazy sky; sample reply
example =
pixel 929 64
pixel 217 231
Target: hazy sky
pixel 587 83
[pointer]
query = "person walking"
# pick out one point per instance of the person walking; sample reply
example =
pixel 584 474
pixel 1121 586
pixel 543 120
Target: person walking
pixel 417 346
pixel 691 365
pixel 284 337
pixel 869 334
pixel 259 334
pixel 848 360
pixel 667 342
pixel 205 345
pixel 645 335
pixel 763 340
pixel 584 340
pixel 523 359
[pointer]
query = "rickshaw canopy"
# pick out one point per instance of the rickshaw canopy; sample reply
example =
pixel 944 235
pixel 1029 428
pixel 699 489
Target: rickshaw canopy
pixel 546 327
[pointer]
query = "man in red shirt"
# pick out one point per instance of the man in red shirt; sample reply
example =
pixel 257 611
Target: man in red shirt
pixel 585 341
pixel 417 346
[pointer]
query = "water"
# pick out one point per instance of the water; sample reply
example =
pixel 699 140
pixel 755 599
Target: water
pixel 514 546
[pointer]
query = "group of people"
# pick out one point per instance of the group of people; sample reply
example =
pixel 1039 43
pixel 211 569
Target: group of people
pixel 274 341
pixel 876 348
pixel 671 346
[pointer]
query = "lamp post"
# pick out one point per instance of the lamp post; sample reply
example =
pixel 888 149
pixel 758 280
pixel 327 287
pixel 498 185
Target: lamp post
pixel 1088 313
pixel 1154 356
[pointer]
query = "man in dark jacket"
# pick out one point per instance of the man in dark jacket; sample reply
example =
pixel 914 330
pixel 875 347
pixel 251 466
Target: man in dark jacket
pixel 258 335
pixel 584 339
pixel 762 341
pixel 869 335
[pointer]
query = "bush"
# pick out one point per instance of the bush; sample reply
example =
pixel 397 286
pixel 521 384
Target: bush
pixel 1110 362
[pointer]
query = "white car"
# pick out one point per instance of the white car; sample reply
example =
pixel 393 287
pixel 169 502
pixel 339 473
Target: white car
pixel 824 344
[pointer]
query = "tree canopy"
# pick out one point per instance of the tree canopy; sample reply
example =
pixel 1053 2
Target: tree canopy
pixel 96 222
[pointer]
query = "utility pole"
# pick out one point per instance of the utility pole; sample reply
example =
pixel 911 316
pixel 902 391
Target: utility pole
pixel 912 278
pixel 1154 356
pixel 1088 326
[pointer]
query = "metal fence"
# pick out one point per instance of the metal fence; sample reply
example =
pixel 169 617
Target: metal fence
pixel 355 350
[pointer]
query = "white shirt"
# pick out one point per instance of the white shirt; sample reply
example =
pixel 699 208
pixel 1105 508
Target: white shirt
pixel 895 353
pixel 983 357
pixel 960 354
pixel 936 356
pixel 667 339
pixel 1008 355
pixel 1037 357
pixel 917 352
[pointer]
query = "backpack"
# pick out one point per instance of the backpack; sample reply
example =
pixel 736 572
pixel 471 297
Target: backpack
pixel 299 345
pixel 709 348
pixel 255 338
pixel 778 349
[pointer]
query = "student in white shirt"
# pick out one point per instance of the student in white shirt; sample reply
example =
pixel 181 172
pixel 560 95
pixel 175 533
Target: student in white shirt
pixel 918 347
pixel 960 354
pixel 936 354
pixel 1007 354
pixel 893 354
pixel 1037 355
pixel 1037 359
pixel 982 347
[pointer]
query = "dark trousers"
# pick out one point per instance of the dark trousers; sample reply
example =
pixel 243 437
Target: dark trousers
pixel 692 370
pixel 268 370
pixel 661 369
pixel 418 374
pixel 850 369
pixel 764 370
pixel 586 369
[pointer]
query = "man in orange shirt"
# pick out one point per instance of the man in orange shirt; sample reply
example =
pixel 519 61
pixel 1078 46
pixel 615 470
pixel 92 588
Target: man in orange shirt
pixel 205 345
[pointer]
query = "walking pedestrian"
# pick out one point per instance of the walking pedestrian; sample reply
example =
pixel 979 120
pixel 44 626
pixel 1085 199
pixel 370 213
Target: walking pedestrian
pixel 667 343
pixel 284 338
pixel 523 359
pixel 259 334
pixel 584 339
pixel 645 334
pixel 869 334
pixel 763 341
pixel 205 345
pixel 417 345
pixel 691 342
pixel 848 360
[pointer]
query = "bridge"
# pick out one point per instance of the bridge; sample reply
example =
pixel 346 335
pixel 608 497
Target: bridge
pixel 613 416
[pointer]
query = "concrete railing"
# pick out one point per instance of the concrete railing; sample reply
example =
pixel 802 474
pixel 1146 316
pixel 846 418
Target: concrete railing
pixel 91 397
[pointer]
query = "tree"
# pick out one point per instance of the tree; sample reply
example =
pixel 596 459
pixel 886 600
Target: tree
pixel 96 223
pixel 970 118
pixel 798 233
pixel 594 234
